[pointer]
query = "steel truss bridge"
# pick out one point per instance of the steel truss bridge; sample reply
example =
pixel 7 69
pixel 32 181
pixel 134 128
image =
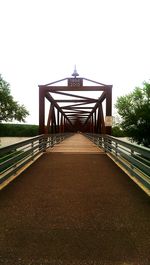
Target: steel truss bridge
pixel 72 110
pixel 74 195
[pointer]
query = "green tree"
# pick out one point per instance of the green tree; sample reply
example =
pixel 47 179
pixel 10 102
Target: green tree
pixel 134 110
pixel 9 108
pixel 117 131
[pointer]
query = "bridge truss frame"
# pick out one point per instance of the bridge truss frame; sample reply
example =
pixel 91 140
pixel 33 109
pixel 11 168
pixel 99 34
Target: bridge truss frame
pixel 78 114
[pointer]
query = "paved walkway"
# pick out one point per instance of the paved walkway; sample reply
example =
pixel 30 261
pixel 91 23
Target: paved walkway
pixel 76 144
pixel 74 209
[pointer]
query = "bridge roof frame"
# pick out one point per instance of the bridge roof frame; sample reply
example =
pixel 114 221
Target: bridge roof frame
pixel 46 90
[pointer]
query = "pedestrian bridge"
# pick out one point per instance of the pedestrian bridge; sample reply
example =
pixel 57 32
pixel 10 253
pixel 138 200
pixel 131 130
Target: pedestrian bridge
pixel 74 199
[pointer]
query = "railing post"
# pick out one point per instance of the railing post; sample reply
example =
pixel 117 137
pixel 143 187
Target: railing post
pixel 44 144
pixel 40 145
pixel 51 141
pixel 132 153
pixel 116 150
pixel 32 146
pixel 48 141
pixel 105 144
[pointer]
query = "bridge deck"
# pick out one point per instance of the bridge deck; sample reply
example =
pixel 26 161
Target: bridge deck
pixel 76 144
pixel 74 209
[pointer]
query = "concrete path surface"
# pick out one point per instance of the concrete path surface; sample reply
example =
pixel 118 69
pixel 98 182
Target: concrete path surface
pixel 74 209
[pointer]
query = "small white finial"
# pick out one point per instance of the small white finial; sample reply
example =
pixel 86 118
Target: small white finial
pixel 75 73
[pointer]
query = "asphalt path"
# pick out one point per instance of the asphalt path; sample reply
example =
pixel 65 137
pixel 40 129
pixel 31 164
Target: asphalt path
pixel 74 208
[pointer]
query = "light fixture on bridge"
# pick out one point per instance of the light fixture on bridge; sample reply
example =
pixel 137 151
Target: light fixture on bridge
pixel 74 81
pixel 75 73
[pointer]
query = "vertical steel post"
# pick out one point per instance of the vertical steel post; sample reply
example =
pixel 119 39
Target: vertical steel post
pixel 41 110
pixel 57 120
pixel 102 119
pixel 61 122
pixel 54 120
pixel 49 118
pixel 98 127
pixel 92 124
pixel 109 107
pixel 95 121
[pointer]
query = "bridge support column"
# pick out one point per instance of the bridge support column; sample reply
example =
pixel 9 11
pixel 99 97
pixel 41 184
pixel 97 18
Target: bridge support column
pixel 57 120
pixel 109 108
pixel 41 111
pixel 95 121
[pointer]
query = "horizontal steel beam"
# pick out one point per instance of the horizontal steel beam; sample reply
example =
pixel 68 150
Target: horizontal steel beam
pixel 72 95
pixel 76 100
pixel 71 88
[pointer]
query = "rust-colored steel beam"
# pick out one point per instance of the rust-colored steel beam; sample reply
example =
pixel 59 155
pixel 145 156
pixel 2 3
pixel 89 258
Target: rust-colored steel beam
pixel 58 120
pixel 80 104
pixel 75 100
pixel 50 118
pixel 82 115
pixel 49 97
pixel 95 121
pixel 41 111
pixel 89 80
pixel 74 111
pixel 72 95
pixel 54 82
pixel 101 99
pixel 76 108
pixel 75 115
pixel 54 120
pixel 71 88
pixel 109 108
pixel 100 120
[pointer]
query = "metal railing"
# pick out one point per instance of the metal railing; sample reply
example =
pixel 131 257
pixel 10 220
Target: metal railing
pixel 14 158
pixel 133 158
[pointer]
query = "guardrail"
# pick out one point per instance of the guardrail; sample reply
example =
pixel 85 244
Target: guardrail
pixel 14 158
pixel 133 158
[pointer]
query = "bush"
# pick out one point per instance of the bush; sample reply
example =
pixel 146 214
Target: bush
pixel 18 130
pixel 118 132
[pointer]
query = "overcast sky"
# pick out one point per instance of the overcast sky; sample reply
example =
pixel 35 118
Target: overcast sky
pixel 41 40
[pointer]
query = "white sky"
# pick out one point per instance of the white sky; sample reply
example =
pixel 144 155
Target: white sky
pixel 41 40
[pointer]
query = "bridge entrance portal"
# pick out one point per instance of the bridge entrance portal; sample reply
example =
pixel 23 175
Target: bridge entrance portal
pixel 77 104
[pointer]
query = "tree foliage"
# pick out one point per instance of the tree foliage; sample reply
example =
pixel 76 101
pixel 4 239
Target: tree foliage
pixel 9 108
pixel 117 131
pixel 18 130
pixel 134 110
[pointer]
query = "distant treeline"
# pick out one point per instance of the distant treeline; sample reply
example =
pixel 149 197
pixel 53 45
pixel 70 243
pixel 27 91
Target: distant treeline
pixel 26 130
pixel 20 130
